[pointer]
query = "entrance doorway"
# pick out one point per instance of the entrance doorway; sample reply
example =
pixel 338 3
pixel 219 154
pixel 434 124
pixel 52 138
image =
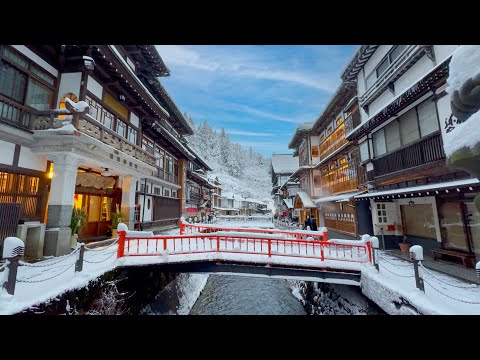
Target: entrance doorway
pixel 99 214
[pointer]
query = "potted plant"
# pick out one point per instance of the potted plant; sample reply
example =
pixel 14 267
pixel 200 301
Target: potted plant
pixel 404 245
pixel 79 219
pixel 116 219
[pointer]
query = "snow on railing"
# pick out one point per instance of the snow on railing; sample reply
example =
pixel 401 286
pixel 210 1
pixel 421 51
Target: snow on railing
pixel 186 228
pixel 244 243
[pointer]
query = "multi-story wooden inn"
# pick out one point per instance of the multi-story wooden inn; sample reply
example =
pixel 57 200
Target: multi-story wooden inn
pixel 405 113
pixel 126 154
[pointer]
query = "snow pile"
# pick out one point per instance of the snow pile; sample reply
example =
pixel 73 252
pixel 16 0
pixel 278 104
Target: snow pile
pixel 466 134
pixel 394 290
pixel 465 64
pixel 66 128
pixel 79 107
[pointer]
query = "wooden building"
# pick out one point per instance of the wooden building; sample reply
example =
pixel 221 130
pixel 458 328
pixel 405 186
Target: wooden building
pixel 127 153
pixel 405 113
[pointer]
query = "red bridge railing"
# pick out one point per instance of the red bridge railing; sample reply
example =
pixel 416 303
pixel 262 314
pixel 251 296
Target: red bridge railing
pixel 242 244
pixel 186 228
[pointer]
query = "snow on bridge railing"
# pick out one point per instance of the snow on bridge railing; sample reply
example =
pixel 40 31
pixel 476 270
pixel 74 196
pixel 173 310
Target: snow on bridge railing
pixel 244 243
pixel 247 218
pixel 186 228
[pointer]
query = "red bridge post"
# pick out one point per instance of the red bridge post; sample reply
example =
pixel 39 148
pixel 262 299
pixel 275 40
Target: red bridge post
pixel 269 248
pixel 121 243
pixel 369 247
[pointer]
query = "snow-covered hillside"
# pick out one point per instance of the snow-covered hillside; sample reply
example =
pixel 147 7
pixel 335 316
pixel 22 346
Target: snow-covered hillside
pixel 242 172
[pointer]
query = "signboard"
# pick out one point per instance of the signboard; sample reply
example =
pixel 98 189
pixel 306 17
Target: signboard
pixel 296 212
pixel 191 210
pixel 314 151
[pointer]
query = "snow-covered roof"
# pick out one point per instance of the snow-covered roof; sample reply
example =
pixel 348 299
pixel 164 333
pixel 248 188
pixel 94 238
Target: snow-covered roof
pixel 284 163
pixel 306 201
pixel 338 198
pixel 299 133
pixel 228 195
pixel 423 188
pixel 289 203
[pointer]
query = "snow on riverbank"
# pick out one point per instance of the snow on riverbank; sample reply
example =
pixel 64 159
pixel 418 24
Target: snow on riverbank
pixel 394 290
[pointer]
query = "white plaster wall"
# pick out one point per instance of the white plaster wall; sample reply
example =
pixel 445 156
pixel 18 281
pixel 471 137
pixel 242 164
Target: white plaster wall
pixel 443 51
pixel 94 87
pixel 145 212
pixel 444 112
pixel 36 59
pixel 69 83
pixel 7 150
pixel 360 83
pixel 379 103
pixel 31 160
pixel 393 217
pixel 415 73
pixel 375 59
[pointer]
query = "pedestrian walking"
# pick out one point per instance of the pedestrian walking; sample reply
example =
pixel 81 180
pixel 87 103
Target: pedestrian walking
pixel 313 223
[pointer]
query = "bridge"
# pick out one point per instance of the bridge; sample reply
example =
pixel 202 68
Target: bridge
pixel 300 255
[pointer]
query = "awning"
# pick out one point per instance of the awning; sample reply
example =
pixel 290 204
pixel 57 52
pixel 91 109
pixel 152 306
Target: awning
pixel 288 202
pixel 418 190
pixel 306 201
pixel 339 198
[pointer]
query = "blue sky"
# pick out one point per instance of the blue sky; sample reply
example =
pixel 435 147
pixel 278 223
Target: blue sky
pixel 258 93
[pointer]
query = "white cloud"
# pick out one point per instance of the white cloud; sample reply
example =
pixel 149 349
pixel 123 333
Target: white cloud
pixel 242 64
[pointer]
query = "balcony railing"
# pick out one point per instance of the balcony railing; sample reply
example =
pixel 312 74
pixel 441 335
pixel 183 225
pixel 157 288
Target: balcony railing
pixel 424 151
pixel 15 114
pixel 333 142
pixel 90 127
pixel 402 63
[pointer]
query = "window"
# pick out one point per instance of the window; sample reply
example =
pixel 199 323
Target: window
pixel 392 136
pixel 371 79
pixel 339 121
pixel 121 128
pixel 423 117
pixel 12 82
pixel 379 146
pixel 174 194
pixel 147 145
pixel 409 126
pixel 166 193
pixel 157 191
pixel 381 214
pixel 132 135
pixel 397 50
pixel 382 67
pixel 24 82
pixel 38 96
pixel 364 151
pixel 427 117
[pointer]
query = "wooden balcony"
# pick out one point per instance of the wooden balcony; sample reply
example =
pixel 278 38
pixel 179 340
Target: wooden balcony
pixel 15 114
pixel 340 186
pixel 333 142
pixel 424 151
pixel 91 127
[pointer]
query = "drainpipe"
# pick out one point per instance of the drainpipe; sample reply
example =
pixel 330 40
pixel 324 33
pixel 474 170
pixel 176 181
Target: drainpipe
pixel 143 209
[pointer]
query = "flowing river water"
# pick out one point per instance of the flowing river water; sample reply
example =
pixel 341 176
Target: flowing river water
pixel 245 295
